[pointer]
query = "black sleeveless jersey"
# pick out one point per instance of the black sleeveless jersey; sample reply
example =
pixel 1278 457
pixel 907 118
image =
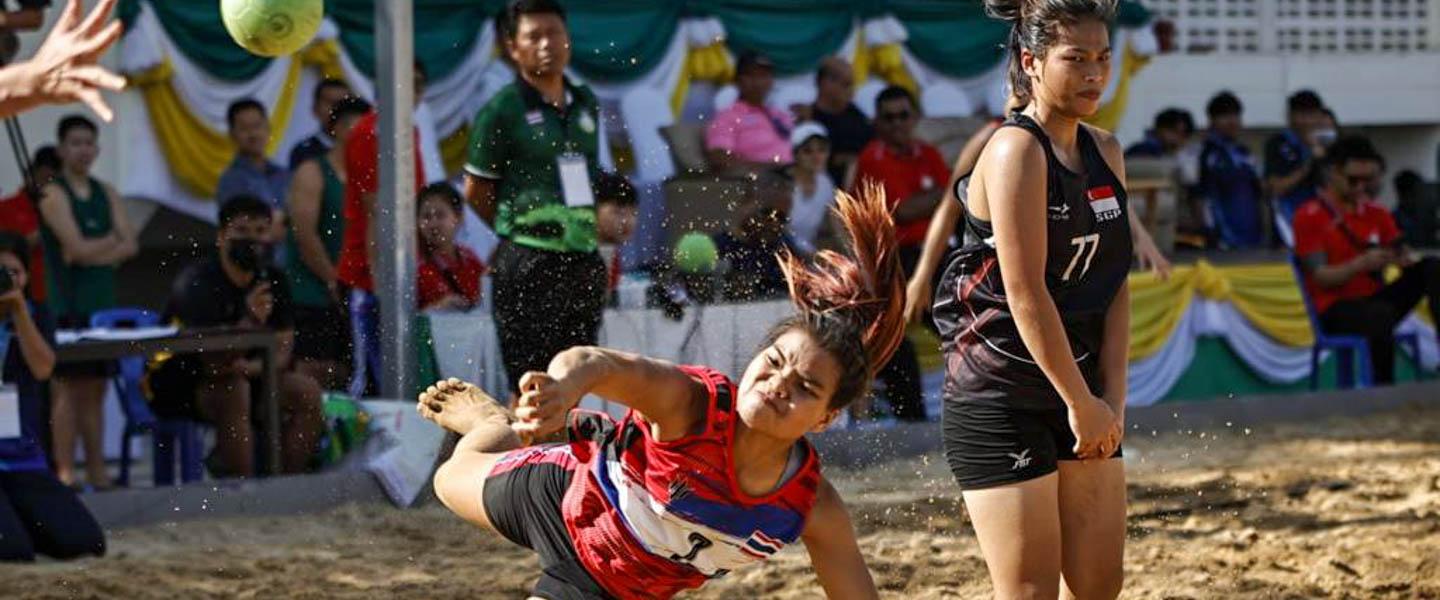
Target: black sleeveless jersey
pixel 1088 234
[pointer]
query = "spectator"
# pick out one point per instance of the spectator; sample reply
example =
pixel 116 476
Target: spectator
pixel 358 247
pixel 236 288
pixel 814 192
pixel 38 514
pixel 615 205
pixel 449 274
pixel 1415 212
pixel 1229 182
pixel 327 94
pixel 534 151
pixel 750 135
pixel 1171 132
pixel 748 251
pixel 86 234
pixel 317 201
pixel 914 176
pixel 1344 240
pixel 1290 173
pixel 849 129
pixel 251 172
pixel 18 214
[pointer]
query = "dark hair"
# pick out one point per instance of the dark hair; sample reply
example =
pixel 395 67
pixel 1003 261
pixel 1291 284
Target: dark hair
pixel 1408 182
pixel 895 92
pixel 1034 25
pixel 1304 100
pixel 1331 114
pixel 1352 147
pixel 45 156
pixel 614 188
pixel 825 69
pixel 329 83
pixel 1222 104
pixel 74 122
pixel 509 22
pixel 1175 117
pixel 15 245
pixel 445 192
pixel 851 306
pixel 243 205
pixel 240 106
pixel 349 105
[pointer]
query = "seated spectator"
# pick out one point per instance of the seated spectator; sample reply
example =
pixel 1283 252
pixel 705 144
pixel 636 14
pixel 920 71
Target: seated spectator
pixel 38 513
pixel 915 177
pixel 615 205
pixel 236 287
pixel 1415 210
pixel 18 214
pixel 750 135
pixel 327 94
pixel 449 274
pixel 317 201
pixel 751 271
pixel 1171 131
pixel 1344 240
pixel 834 108
pixel 1229 182
pixel 251 173
pixel 810 226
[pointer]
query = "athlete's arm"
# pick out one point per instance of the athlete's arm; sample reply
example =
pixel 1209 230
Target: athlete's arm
pixel 1149 254
pixel 918 291
pixel 480 193
pixel 1115 345
pixel 1016 201
pixel 659 390
pixel 830 539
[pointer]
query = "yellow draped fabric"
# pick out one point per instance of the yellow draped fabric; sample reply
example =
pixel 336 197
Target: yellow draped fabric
pixel 1109 115
pixel 884 61
pixel 710 63
pixel 1266 294
pixel 452 149
pixel 196 153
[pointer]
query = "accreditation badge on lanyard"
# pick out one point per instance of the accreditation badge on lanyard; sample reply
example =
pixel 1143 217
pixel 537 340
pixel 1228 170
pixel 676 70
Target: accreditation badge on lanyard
pixel 575 180
pixel 9 412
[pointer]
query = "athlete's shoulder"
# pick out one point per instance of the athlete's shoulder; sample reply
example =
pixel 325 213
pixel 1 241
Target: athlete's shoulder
pixel 1013 146
pixel 1105 140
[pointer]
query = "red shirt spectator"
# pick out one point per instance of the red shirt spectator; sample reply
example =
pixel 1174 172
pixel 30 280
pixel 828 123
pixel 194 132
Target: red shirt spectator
pixel 17 214
pixel 362 155
pixel 1322 225
pixel 918 169
pixel 442 276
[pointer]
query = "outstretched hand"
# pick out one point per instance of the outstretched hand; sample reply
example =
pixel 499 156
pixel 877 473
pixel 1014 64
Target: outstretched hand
pixel 543 405
pixel 65 69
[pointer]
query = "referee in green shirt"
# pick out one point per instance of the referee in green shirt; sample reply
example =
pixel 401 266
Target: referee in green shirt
pixel 533 153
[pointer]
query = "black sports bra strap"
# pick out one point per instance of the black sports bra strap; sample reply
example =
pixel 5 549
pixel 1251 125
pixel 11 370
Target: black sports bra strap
pixel 1023 121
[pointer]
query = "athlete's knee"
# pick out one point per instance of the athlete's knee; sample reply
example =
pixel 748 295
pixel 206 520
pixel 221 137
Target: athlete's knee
pixel 449 484
pixel 1026 590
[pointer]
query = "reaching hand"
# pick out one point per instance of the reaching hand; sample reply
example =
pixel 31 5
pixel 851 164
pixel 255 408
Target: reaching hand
pixel 65 67
pixel 544 403
pixel 917 298
pixel 1150 256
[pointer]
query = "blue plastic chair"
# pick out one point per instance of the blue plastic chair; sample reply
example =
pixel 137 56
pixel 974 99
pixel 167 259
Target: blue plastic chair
pixel 166 435
pixel 1352 352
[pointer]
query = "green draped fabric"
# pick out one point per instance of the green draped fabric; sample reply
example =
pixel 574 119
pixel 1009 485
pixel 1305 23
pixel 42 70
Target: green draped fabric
pixel 620 40
pixel 952 36
pixel 196 28
pixel 795 34
pixel 445 31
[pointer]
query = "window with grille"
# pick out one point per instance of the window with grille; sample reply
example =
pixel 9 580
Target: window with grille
pixel 1298 26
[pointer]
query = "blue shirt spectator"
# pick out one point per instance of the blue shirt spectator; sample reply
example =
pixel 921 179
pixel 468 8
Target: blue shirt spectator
pixel 1290 156
pixel 1231 188
pixel 267 181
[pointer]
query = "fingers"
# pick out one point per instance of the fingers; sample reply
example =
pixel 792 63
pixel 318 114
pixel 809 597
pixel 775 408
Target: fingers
pixel 95 76
pixel 91 48
pixel 99 15
pixel 69 17
pixel 96 102
pixel 534 380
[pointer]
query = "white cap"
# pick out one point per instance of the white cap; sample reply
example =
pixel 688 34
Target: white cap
pixel 804 131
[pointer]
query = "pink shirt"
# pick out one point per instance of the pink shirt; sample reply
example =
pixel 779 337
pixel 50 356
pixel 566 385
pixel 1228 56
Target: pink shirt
pixel 750 133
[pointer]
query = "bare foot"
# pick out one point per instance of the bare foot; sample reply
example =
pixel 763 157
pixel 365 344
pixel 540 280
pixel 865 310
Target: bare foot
pixel 460 406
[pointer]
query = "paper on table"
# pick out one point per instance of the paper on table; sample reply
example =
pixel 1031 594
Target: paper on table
pixel 110 335
pixel 9 412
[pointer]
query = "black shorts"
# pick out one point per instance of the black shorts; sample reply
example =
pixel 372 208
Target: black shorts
pixel 545 303
pixel 522 500
pixel 323 333
pixel 988 446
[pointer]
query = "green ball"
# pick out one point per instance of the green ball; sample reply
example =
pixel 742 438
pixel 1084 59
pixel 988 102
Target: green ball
pixel 272 27
pixel 696 253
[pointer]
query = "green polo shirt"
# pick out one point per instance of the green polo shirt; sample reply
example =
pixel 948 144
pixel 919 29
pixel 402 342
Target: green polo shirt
pixel 517 139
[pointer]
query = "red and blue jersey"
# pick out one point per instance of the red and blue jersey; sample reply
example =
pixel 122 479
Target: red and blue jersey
pixel 650 519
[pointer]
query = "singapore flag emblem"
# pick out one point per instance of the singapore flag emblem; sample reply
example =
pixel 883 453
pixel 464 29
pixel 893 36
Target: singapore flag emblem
pixel 1103 202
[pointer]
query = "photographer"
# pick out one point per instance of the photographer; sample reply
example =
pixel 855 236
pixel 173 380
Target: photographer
pixel 38 513
pixel 1344 241
pixel 237 288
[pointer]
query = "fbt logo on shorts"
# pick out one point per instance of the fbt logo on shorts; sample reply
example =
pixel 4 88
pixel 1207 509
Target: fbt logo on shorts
pixel 1103 202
